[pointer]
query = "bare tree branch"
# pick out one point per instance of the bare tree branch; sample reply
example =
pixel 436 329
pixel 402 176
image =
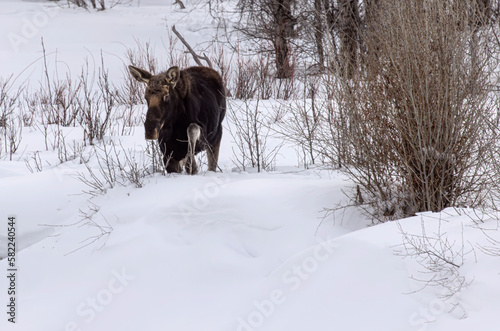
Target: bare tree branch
pixel 196 57
pixel 179 2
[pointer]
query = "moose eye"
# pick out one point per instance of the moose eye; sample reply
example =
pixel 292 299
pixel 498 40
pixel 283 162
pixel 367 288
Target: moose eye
pixel 165 98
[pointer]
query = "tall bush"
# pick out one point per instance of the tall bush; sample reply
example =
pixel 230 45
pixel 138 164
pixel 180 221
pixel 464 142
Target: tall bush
pixel 415 118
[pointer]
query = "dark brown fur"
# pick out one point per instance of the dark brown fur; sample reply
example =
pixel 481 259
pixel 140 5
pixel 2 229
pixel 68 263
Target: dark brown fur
pixel 185 111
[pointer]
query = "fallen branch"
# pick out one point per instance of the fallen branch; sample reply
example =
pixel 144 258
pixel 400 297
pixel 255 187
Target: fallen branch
pixel 196 57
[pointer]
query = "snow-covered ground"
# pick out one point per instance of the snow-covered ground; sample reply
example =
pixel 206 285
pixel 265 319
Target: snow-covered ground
pixel 231 250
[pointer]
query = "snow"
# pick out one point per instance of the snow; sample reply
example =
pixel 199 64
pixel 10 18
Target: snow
pixel 232 250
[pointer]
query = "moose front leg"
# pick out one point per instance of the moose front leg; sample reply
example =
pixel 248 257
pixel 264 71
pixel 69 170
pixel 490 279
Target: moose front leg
pixel 193 133
pixel 173 166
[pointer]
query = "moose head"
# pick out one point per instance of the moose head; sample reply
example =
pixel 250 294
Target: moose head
pixel 158 91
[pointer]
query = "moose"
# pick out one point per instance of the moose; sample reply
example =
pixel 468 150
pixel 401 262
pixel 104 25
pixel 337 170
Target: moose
pixel 185 112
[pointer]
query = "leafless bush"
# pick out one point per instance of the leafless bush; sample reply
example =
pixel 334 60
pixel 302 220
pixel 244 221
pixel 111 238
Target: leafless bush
pixel 492 238
pixel 254 78
pixel 37 162
pixel 286 87
pixel 53 105
pixel 298 121
pixel 61 101
pixel 250 133
pixel 245 85
pixel 97 4
pixel 88 218
pixel 55 100
pixel 7 100
pixel 416 117
pixel 95 106
pixel 37 106
pixel 61 146
pixel 222 64
pixel 11 123
pixel 156 158
pixel 29 109
pixel 12 134
pixel 105 176
pixel 135 169
pixel 265 79
pixel 68 151
pixel 117 166
pixel 99 181
pixel 440 260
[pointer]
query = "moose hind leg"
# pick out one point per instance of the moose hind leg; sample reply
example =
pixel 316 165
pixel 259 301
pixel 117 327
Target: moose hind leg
pixel 193 133
pixel 213 153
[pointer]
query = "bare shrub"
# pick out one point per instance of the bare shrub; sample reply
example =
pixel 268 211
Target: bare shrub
pixel 95 105
pixel 298 122
pixel 264 77
pixel 254 78
pixel 156 157
pixel 7 99
pixel 37 162
pixel 88 218
pixel 56 98
pixel 29 109
pixel 416 116
pixel 250 133
pixel 440 260
pixel 12 133
pixel 222 64
pixel 11 123
pixel 105 177
pixel 116 165
pixel 245 80
pixel 62 102
pixel 285 88
pixel 98 5
pixel 68 151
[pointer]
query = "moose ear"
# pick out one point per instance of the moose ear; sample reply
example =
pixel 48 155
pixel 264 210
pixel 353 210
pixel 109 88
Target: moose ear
pixel 173 75
pixel 141 75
